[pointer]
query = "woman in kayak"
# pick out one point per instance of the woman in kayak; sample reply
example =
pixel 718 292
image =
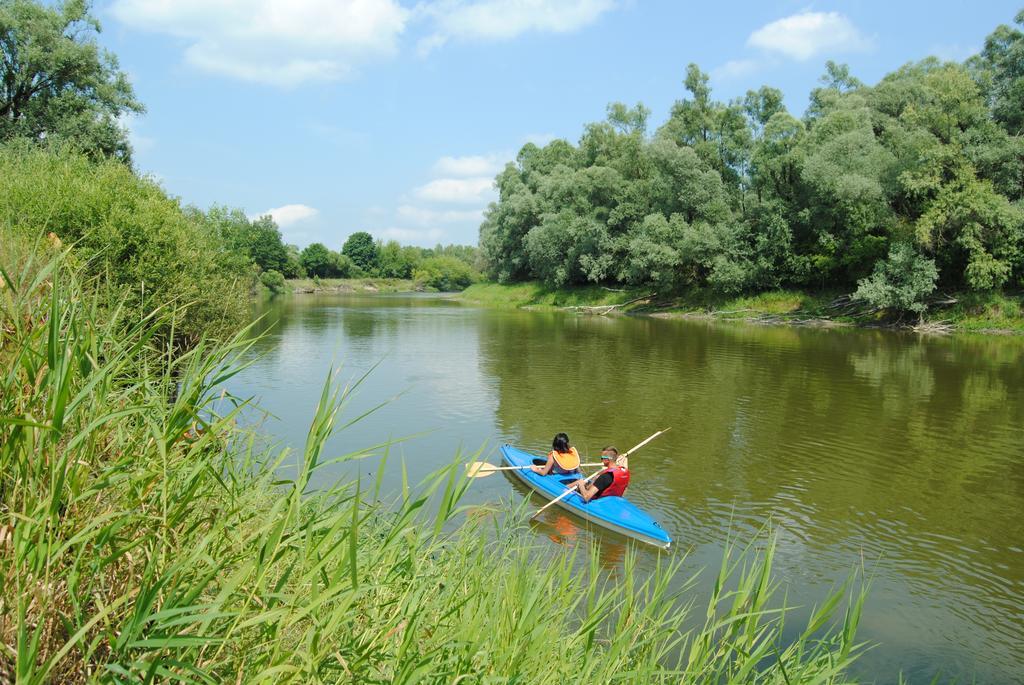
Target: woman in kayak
pixel 563 459
pixel 612 481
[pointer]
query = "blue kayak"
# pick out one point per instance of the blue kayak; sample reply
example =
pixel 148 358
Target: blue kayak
pixel 615 513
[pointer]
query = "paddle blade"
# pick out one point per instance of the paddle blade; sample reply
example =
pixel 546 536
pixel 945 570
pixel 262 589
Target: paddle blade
pixel 479 469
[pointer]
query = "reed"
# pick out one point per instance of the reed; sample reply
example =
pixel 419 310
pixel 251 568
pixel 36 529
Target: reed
pixel 146 537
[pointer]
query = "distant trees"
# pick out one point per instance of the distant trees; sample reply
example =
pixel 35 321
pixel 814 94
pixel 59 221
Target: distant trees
pixel 445 273
pixel 448 267
pixel 361 249
pixel 316 260
pixel 264 245
pixel 396 261
pixel 258 240
pixel 56 84
pixel 872 188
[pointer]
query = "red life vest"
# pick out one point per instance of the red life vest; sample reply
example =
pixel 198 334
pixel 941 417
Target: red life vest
pixel 620 479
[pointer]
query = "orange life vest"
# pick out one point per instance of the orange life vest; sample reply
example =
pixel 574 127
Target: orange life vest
pixel 567 462
pixel 620 479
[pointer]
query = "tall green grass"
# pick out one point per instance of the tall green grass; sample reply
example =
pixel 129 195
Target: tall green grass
pixel 148 539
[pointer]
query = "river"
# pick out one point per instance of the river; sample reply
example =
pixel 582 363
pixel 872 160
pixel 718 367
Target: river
pixel 893 453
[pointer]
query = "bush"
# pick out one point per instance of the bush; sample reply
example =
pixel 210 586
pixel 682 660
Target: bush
pixel 445 274
pixel 901 282
pixel 342 267
pixel 273 281
pixel 361 249
pixel 316 260
pixel 128 234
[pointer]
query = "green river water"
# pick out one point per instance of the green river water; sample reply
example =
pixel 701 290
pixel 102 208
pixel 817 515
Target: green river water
pixel 896 453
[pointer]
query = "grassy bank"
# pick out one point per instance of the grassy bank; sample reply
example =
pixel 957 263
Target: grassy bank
pixel 985 313
pixel 535 294
pixel 147 539
pixel 352 285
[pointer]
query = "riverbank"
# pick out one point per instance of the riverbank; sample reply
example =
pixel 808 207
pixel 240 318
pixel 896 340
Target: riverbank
pixel 992 313
pixel 352 285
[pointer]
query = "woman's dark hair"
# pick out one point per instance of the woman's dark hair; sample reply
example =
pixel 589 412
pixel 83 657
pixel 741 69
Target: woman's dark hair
pixel 560 443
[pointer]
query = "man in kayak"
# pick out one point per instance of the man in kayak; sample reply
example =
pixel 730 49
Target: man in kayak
pixel 612 481
pixel 563 459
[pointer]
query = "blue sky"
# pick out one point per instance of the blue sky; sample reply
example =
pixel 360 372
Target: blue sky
pixel 392 116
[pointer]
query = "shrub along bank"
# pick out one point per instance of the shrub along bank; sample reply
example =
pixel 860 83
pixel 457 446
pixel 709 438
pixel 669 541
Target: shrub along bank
pixel 147 540
pixel 127 235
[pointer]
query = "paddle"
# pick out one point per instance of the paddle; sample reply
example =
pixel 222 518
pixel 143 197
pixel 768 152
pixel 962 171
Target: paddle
pixel 481 469
pixel 570 490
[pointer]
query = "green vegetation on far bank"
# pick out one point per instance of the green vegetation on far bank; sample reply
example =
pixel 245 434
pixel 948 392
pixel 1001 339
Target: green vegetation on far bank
pixel 891 192
pixel 975 312
pixel 352 285
pixel 536 294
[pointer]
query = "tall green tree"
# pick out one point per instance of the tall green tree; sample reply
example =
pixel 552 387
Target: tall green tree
pixel 265 246
pixel 362 250
pixel 57 84
pixel 316 260
pixel 395 261
pixel 293 262
pixel 932 114
pixel 1001 63
pixel 258 241
pixel 717 132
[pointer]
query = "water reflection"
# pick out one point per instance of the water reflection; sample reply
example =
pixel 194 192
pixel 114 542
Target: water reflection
pixel 901 453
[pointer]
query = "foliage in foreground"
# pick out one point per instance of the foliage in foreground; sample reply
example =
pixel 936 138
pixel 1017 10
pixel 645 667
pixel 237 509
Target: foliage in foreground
pixel 144 539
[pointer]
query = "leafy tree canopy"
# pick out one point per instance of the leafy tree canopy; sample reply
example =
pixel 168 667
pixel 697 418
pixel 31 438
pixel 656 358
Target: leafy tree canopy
pixel 362 250
pixel 923 170
pixel 316 260
pixel 57 84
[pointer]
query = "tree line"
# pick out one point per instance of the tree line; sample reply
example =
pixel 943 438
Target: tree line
pixel 66 170
pixel 445 267
pixel 895 190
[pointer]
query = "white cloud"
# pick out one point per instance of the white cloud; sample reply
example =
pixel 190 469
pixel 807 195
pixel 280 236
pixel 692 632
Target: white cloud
pixel 802 36
pixel 478 190
pixel 473 165
pixel 280 42
pixel 736 68
pixel 289 72
pixel 504 19
pixel 422 216
pixel 427 45
pixel 288 214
